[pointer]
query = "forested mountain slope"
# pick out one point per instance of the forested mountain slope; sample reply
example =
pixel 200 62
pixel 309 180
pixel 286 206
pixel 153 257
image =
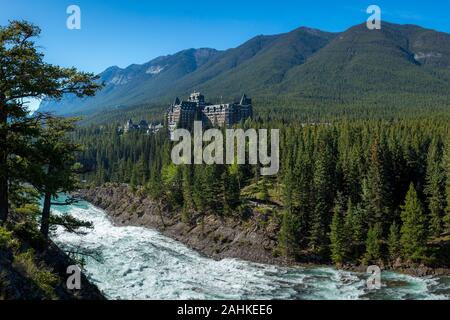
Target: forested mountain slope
pixel 399 64
pixel 396 60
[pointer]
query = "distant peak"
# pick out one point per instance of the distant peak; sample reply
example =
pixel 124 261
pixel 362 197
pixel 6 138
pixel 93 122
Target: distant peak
pixel 113 68
pixel 310 30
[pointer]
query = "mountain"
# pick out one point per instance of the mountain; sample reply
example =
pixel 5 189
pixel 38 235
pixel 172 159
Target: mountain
pixel 257 65
pixel 397 64
pixel 396 60
pixel 134 84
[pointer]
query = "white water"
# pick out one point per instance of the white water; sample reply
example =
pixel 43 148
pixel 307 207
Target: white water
pixel 139 263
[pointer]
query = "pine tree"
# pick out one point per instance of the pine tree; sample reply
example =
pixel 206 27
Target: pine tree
pixel 373 243
pixel 200 187
pixel 446 162
pixel 172 177
pixel 354 223
pixel 338 239
pixel 324 174
pixel 434 189
pixel 188 201
pixel 232 192
pixel 155 185
pixel 134 181
pixel 288 236
pixel 413 231
pixel 353 173
pixel 216 198
pixel 24 76
pixel 394 242
pixel 55 166
pixel 298 189
pixel 354 227
pixel 375 195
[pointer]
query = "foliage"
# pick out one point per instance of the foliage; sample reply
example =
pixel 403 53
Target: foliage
pixel 373 243
pixel 44 278
pixel 31 145
pixel 413 230
pixel 435 189
pixel 338 236
pixel 70 224
pixel 393 242
pixel 7 240
pixel 369 162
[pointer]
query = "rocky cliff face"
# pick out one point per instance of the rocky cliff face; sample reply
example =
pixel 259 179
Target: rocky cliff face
pixel 252 239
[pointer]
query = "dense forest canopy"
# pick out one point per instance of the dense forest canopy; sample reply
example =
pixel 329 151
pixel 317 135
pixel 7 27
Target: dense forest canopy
pixel 350 189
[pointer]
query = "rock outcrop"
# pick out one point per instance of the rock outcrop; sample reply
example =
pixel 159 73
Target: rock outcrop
pixel 253 238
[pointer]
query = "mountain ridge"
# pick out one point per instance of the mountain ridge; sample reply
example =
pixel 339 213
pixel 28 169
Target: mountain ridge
pixel 306 64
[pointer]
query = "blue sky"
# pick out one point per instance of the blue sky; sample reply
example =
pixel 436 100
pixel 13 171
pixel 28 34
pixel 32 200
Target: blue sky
pixel 122 32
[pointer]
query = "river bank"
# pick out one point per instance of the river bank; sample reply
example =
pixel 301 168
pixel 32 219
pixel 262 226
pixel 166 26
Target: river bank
pixel 251 239
pixel 31 269
pixel 129 262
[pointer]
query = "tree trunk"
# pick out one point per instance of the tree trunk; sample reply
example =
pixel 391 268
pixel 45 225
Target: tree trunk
pixel 4 204
pixel 45 220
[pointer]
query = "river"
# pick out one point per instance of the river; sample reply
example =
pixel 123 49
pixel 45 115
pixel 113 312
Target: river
pixel 140 263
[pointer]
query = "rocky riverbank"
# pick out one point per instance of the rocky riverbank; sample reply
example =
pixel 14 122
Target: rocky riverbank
pixel 213 236
pixel 252 238
pixel 33 270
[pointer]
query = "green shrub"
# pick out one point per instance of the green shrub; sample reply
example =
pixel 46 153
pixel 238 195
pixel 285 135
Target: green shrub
pixel 41 276
pixel 7 240
pixel 28 232
pixel 277 252
pixel 28 210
